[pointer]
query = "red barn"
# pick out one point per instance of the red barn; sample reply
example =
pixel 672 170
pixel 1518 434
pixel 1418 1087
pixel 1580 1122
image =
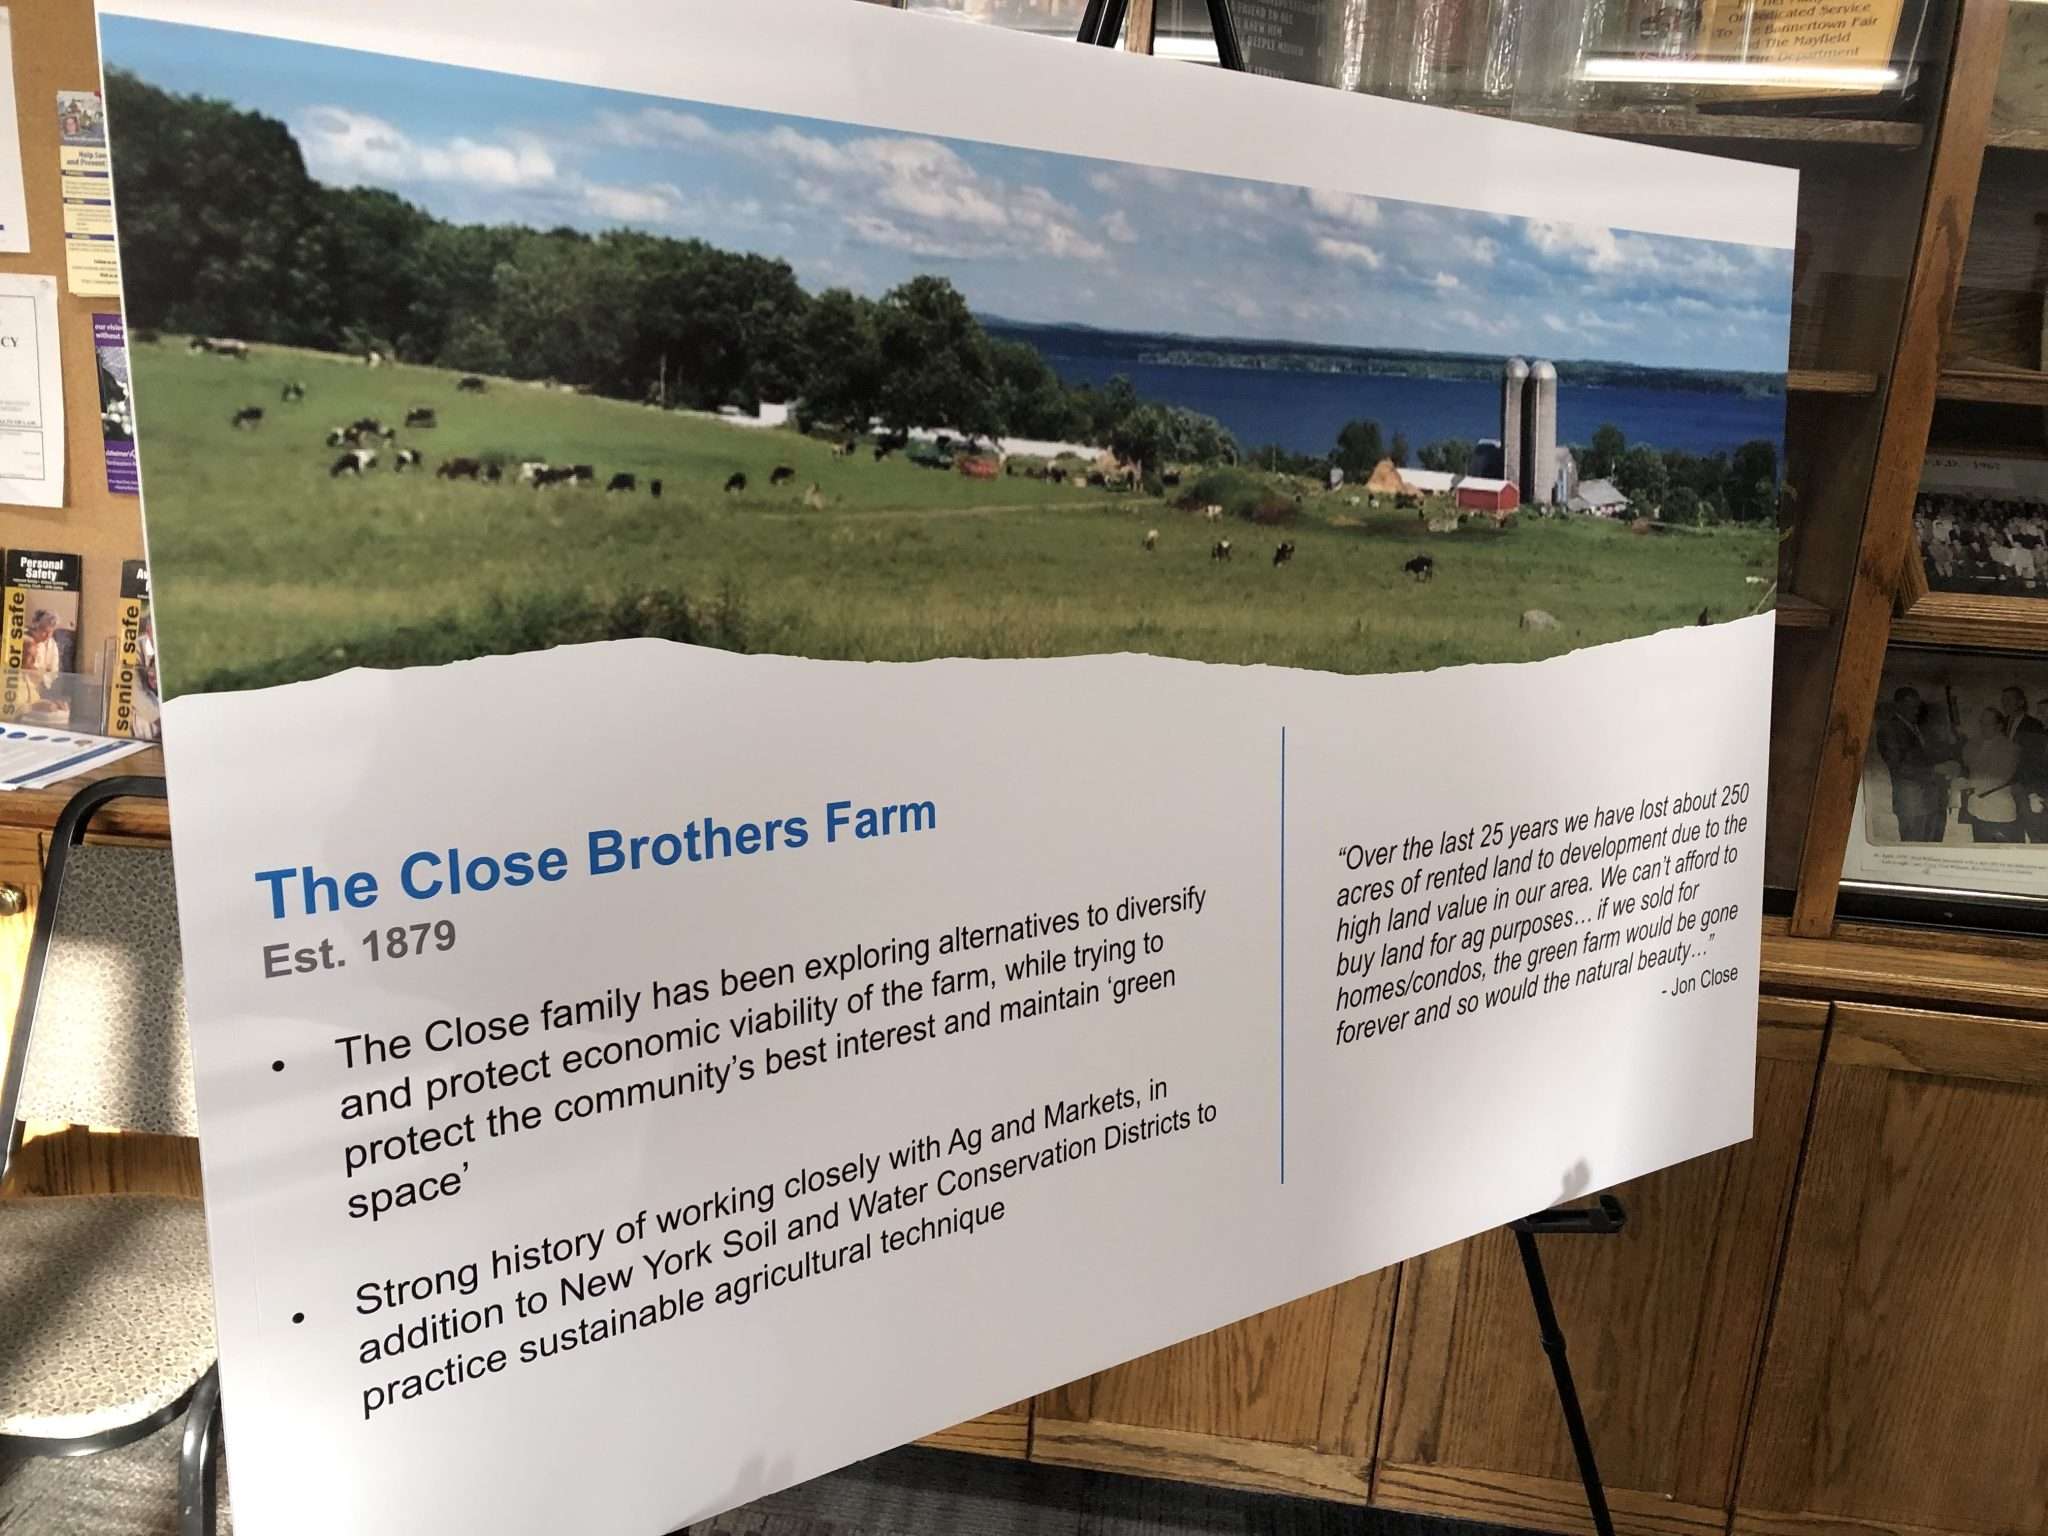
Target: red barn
pixel 1478 494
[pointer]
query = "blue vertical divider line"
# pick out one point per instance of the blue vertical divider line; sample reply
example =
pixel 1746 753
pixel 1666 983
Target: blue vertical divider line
pixel 1283 954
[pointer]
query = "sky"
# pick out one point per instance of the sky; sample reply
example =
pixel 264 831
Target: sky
pixel 1025 235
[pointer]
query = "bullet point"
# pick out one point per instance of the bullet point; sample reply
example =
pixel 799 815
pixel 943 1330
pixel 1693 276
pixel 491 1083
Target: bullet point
pixel 298 1317
pixel 277 1066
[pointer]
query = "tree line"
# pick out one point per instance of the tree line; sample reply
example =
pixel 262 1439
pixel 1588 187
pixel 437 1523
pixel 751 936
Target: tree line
pixel 1664 482
pixel 225 233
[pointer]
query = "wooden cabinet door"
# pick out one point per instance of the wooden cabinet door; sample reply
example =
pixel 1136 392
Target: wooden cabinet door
pixel 1663 1325
pixel 1286 1401
pixel 1905 1383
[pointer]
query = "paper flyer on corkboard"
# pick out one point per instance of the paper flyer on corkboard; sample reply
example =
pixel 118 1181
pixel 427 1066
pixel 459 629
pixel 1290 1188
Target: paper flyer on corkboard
pixel 13 192
pixel 844 748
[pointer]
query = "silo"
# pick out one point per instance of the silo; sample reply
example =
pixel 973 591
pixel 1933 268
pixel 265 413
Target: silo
pixel 1511 388
pixel 1539 439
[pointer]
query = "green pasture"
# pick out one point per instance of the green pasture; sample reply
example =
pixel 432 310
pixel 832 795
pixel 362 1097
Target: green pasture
pixel 267 570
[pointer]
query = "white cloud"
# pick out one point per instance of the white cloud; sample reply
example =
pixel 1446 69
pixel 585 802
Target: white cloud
pixel 1349 250
pixel 651 126
pixel 351 147
pixel 1554 323
pixel 1584 245
pixel 1117 225
pixel 655 203
pixel 1356 212
pixel 1444 282
pixel 1480 250
pixel 918 195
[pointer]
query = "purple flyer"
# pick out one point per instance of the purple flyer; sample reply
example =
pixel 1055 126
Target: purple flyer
pixel 117 405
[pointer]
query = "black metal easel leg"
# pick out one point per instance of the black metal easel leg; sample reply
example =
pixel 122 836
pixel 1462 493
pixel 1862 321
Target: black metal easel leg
pixel 1606 1216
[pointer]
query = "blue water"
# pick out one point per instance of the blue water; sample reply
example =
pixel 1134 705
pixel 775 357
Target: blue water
pixel 1303 411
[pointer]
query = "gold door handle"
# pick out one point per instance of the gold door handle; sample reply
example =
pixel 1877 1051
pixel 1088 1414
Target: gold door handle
pixel 13 899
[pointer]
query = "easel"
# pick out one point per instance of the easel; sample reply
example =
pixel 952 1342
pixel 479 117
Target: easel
pixel 1103 21
pixel 1604 1217
pixel 1101 24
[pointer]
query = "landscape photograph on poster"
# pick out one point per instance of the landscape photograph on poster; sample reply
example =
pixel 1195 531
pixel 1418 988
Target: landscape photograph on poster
pixel 434 363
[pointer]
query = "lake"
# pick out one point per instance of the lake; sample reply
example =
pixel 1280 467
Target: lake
pixel 1302 411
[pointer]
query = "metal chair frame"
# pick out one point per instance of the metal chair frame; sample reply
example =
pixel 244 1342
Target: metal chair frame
pixel 200 1402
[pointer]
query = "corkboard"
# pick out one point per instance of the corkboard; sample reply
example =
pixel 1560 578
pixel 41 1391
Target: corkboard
pixel 56 48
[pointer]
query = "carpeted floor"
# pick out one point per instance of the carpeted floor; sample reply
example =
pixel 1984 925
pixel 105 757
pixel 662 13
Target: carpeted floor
pixel 913 1492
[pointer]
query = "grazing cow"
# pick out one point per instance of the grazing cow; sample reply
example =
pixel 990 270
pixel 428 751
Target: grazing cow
pixel 339 437
pixel 1212 513
pixel 1753 581
pixel 404 459
pixel 373 359
pixel 814 498
pixel 1056 475
pixel 1283 552
pixel 1151 540
pixel 292 393
pixel 221 346
pixel 493 473
pixel 882 451
pixel 1221 551
pixel 845 449
pixel 472 384
pixel 565 475
pixel 248 416
pixel 654 489
pixel 780 473
pixel 1097 478
pixel 621 482
pixel 354 462
pixel 582 474
pixel 1422 568
pixel 421 416
pixel 366 424
pixel 459 469
pixel 531 470
pixel 1539 620
pixel 735 482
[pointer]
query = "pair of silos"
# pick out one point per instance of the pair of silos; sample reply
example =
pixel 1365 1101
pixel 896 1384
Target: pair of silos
pixel 1528 429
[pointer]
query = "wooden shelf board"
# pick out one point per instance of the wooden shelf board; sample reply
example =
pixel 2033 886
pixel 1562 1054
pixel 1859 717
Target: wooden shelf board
pixel 1909 967
pixel 1997 386
pixel 1721 126
pixel 2019 136
pixel 1968 618
pixel 1831 381
pixel 1801 613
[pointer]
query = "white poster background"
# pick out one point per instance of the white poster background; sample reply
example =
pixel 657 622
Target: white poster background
pixel 31 393
pixel 13 195
pixel 1056 782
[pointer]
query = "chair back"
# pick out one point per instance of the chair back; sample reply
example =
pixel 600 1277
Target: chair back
pixel 100 1037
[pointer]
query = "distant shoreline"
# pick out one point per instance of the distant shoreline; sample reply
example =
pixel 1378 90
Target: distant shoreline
pixel 1160 349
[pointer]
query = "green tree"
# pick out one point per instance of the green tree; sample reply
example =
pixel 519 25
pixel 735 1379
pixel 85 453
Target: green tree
pixel 1453 456
pixel 1683 505
pixel 1359 449
pixel 1604 453
pixel 1397 450
pixel 1640 475
pixel 840 341
pixel 937 370
pixel 1752 492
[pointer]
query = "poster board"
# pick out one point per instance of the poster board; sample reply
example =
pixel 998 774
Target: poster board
pixel 780 1020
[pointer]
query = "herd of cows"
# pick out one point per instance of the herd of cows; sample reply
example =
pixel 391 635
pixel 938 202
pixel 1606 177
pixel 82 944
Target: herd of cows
pixel 366 442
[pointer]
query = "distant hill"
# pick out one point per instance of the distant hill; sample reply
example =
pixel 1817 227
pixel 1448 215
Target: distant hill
pixel 1252 353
